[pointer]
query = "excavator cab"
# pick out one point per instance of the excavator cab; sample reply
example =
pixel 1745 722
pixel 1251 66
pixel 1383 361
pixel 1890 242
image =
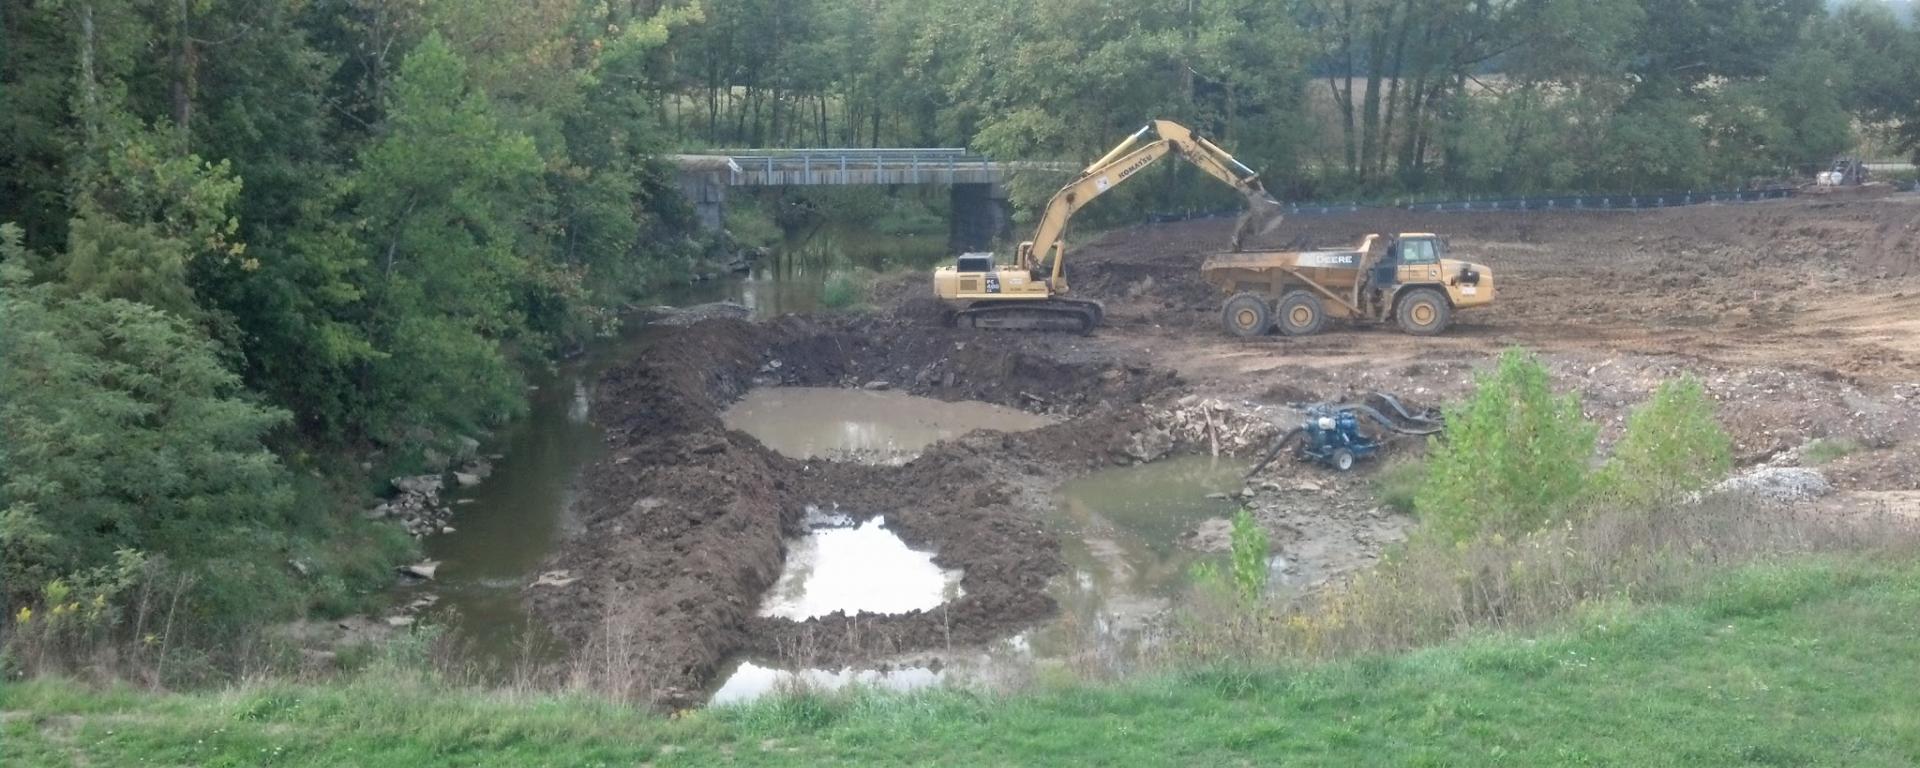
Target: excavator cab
pixel 978 261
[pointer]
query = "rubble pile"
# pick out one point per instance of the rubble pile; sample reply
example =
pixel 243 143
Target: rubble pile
pixel 1204 425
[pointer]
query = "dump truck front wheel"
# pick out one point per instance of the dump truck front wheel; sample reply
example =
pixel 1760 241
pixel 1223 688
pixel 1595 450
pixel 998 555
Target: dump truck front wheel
pixel 1301 314
pixel 1246 315
pixel 1424 312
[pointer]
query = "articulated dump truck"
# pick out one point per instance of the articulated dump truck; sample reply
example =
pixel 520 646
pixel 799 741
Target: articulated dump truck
pixel 1405 279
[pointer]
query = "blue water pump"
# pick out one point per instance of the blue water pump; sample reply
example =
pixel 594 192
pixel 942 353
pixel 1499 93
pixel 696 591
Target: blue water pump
pixel 1332 437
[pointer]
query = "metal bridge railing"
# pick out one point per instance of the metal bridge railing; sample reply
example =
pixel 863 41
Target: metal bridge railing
pixel 863 166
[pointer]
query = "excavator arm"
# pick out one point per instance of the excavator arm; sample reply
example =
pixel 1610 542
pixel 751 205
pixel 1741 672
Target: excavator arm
pixel 1124 162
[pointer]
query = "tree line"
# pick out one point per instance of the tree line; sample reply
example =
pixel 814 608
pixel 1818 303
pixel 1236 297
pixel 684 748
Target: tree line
pixel 241 236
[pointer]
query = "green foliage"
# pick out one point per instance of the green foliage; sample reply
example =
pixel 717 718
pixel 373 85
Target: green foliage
pixel 1826 449
pixel 844 290
pixel 122 432
pixel 1248 560
pixel 1398 483
pixel 1673 445
pixel 443 192
pixel 1514 457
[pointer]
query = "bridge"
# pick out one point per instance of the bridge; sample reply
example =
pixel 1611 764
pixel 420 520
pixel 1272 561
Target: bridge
pixel 980 209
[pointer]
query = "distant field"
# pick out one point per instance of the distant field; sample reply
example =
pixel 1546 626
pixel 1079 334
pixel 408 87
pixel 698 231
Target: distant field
pixel 1803 663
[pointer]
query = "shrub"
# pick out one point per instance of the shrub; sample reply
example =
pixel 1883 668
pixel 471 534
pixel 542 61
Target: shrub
pixel 1673 445
pixel 844 290
pixel 1514 457
pixel 1249 564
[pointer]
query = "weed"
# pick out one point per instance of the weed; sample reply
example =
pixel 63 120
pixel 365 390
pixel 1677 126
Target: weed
pixel 844 290
pixel 1249 562
pixel 1398 483
pixel 1827 449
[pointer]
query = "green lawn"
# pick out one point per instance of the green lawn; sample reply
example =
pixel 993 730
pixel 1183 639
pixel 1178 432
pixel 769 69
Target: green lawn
pixel 1813 663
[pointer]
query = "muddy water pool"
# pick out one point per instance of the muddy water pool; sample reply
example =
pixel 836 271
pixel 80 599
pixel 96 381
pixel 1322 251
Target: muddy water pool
pixel 875 427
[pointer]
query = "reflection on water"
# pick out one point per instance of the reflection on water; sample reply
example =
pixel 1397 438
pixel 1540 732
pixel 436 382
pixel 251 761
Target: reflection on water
pixel 1120 532
pixel 885 427
pixel 793 277
pixel 749 681
pixel 855 568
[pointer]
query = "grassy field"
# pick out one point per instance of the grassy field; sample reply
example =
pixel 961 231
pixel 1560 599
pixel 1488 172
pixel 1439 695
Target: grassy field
pixel 1812 662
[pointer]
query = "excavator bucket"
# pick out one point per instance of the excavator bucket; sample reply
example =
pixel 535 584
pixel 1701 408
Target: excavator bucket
pixel 1263 215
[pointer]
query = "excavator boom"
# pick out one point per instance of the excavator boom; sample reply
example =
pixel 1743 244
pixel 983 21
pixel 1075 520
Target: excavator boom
pixel 1031 294
pixel 1127 159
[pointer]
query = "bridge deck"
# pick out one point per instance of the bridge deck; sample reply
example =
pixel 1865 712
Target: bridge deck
pixel 817 167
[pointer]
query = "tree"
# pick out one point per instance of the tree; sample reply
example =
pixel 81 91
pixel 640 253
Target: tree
pixel 1514 457
pixel 444 194
pixel 120 429
pixel 1673 445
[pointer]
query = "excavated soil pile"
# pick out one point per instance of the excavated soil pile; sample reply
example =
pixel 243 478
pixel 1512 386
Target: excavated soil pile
pixel 684 521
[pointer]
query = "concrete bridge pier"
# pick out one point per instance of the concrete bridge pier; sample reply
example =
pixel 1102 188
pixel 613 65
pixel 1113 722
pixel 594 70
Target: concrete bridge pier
pixel 704 181
pixel 981 215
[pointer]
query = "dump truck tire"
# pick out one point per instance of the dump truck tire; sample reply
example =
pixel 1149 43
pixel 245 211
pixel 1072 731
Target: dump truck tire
pixel 1301 314
pixel 1246 315
pixel 1423 312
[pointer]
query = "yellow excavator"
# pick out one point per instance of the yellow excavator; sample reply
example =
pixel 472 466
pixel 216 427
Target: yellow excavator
pixel 1031 293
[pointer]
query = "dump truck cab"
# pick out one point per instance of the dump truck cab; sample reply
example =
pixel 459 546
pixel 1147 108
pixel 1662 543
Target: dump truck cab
pixel 1415 259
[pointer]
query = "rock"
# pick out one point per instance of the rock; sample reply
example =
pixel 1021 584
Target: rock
pixel 377 513
pixel 300 567
pixel 1779 484
pixel 1150 444
pixel 420 570
pixel 1212 535
pixel 554 579
pixel 876 385
pixel 435 460
pixel 399 621
pixel 418 484
pixel 466 479
pixel 1218 495
pixel 465 447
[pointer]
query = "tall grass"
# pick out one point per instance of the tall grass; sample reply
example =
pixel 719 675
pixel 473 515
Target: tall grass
pixel 1435 590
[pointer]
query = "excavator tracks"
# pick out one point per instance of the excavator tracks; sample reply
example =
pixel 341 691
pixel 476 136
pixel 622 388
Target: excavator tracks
pixel 1070 315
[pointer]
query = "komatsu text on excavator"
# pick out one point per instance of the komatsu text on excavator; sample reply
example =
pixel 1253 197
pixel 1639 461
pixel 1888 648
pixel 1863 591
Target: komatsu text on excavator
pixel 1031 293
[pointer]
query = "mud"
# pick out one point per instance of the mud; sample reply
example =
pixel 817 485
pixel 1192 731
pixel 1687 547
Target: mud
pixel 1801 318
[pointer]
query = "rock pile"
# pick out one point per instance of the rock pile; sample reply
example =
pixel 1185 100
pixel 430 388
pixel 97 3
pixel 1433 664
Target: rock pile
pixel 1209 425
pixel 416 505
pixel 1777 484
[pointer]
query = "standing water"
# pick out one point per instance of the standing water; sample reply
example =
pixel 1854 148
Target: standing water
pixel 883 427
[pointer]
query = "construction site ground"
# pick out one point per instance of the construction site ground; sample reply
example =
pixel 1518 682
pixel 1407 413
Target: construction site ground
pixel 1801 318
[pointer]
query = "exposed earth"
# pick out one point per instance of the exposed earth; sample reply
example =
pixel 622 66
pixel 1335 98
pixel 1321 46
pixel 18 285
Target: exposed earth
pixel 1801 317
